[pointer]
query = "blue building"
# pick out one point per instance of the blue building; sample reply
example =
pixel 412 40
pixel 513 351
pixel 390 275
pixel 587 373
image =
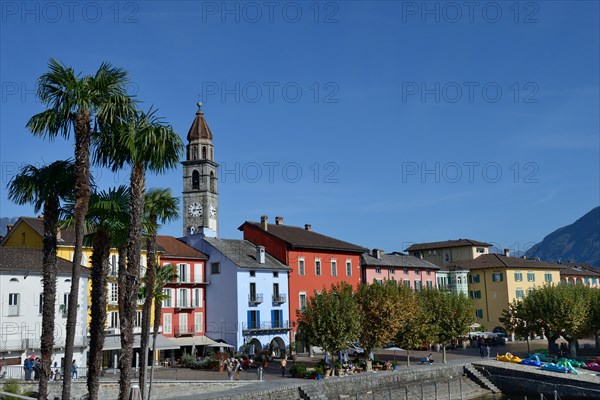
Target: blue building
pixel 248 294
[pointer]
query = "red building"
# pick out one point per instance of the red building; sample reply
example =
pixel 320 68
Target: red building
pixel 183 312
pixel 317 261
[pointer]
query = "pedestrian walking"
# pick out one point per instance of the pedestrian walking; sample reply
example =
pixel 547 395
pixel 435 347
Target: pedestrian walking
pixel 481 351
pixel 487 351
pixel 283 365
pixel 74 373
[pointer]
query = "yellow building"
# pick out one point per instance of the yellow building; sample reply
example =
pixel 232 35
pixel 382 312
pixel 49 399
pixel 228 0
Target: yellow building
pixel 448 251
pixel 496 280
pixel 28 232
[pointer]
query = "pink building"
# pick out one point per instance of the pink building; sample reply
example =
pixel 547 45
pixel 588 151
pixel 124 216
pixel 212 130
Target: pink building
pixel 412 271
pixel 580 274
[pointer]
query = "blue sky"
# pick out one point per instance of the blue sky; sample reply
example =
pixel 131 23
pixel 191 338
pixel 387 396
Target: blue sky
pixel 380 123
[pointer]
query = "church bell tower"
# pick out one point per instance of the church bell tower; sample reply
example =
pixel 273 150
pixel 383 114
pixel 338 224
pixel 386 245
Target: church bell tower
pixel 200 193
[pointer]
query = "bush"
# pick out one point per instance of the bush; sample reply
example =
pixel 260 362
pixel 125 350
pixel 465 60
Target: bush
pixel 12 386
pixel 188 361
pixel 298 370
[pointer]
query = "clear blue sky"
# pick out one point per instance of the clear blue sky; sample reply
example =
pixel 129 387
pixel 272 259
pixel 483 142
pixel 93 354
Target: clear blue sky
pixel 407 124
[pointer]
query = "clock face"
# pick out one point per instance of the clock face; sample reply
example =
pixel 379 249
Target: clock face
pixel 213 211
pixel 195 210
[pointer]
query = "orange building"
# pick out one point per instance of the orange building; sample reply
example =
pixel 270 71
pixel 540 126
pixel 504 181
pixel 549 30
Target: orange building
pixel 317 261
pixel 184 308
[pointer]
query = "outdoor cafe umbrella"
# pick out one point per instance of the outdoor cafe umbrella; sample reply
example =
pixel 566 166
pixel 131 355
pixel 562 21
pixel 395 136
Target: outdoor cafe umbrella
pixel 394 348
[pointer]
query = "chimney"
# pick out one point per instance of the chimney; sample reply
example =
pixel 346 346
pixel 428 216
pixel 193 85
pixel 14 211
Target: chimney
pixel 307 227
pixel 506 252
pixel 377 253
pixel 260 254
pixel 263 222
pixel 278 220
pixel 8 228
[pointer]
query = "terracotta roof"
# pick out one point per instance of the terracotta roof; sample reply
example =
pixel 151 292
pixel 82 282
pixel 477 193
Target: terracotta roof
pixel 67 236
pixel 297 237
pixel 500 261
pixel 21 259
pixel 175 248
pixel 447 243
pixel 199 128
pixel 396 260
pixel 580 269
pixel 243 254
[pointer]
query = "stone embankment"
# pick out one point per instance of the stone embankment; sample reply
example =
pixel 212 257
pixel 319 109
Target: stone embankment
pixel 531 381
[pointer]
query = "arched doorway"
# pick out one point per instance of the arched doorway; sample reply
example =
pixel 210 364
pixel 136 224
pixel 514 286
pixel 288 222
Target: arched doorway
pixel 277 347
pixel 254 346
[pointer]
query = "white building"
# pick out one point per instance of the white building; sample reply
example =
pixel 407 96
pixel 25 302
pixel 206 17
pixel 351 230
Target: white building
pixel 21 299
pixel 247 294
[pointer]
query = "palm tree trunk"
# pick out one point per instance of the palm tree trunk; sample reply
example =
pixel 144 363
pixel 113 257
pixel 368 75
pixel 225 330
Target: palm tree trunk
pixel 157 314
pixel 49 279
pixel 131 283
pixel 100 256
pixel 147 310
pixel 82 197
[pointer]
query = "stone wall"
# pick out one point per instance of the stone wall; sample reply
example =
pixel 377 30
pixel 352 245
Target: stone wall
pixel 517 379
pixel 160 390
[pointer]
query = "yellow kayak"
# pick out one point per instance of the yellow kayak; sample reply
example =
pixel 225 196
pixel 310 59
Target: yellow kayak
pixel 509 358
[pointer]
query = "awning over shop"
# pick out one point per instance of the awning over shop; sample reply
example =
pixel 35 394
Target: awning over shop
pixel 194 341
pixel 113 342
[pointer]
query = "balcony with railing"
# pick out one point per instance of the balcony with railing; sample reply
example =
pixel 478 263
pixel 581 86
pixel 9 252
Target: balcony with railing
pixel 186 282
pixel 186 305
pixel 255 298
pixel 265 327
pixel 279 298
pixel 186 330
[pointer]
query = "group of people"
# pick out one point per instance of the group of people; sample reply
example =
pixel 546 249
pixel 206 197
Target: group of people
pixel 31 365
pixel 32 368
pixel 484 349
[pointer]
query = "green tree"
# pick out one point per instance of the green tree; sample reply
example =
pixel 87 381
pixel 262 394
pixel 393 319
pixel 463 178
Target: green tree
pixel 331 319
pixel 516 321
pixel 145 143
pixel 417 330
pixel 159 207
pixel 452 313
pixel 576 323
pixel 82 105
pixel 164 274
pixel 594 316
pixel 385 307
pixel 45 188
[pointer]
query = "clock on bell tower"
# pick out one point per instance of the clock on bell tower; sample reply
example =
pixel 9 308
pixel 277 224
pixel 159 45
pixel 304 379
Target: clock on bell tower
pixel 200 194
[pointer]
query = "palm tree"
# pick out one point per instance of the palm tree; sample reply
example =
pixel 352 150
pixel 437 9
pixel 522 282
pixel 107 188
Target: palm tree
pixel 108 214
pixel 164 274
pixel 159 207
pixel 46 187
pixel 146 143
pixel 74 103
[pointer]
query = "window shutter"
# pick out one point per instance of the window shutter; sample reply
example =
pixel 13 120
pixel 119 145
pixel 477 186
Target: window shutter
pixel 193 298
pixel 281 318
pixel 249 319
pixel 272 318
pixel 197 272
pixel 258 318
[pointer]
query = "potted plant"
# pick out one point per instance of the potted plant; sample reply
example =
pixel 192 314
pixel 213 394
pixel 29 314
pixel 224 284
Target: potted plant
pixel 221 357
pixel 394 365
pixel 297 370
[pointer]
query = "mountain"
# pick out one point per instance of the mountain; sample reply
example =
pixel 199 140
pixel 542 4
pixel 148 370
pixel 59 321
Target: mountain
pixel 578 242
pixel 6 221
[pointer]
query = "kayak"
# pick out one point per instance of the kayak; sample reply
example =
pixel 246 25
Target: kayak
pixel 509 358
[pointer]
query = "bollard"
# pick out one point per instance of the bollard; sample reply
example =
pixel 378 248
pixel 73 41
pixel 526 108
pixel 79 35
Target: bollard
pixel 259 372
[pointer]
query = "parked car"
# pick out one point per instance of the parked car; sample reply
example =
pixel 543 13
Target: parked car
pixel 354 349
